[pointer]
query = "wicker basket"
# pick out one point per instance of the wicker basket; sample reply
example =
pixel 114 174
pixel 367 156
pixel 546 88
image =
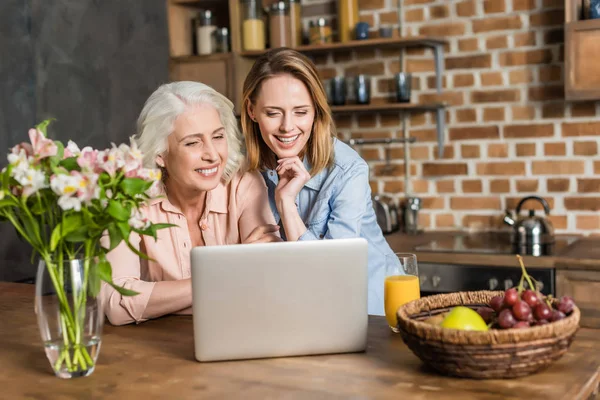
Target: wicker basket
pixel 482 355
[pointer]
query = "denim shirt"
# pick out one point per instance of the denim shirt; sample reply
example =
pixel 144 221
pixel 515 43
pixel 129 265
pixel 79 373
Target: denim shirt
pixel 335 204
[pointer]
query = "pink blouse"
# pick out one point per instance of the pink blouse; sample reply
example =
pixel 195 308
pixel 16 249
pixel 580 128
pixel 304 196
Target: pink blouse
pixel 231 213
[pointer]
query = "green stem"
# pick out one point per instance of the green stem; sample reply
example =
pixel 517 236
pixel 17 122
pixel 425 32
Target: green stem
pixel 525 274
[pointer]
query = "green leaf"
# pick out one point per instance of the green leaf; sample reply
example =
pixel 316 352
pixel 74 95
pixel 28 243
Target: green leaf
pixel 79 235
pixel 8 202
pixel 60 151
pixel 133 186
pixel 69 224
pixel 6 176
pixel 32 230
pixel 70 164
pixel 118 211
pixel 94 281
pixel 43 126
pixel 104 272
pixel 115 236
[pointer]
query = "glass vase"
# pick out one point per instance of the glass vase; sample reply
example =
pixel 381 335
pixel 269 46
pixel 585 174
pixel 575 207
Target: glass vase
pixel 69 317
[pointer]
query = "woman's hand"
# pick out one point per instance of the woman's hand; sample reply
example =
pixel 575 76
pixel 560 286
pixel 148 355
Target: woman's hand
pixel 264 234
pixel 292 178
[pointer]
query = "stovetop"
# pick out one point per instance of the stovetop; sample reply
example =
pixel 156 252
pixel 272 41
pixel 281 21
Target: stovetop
pixel 493 243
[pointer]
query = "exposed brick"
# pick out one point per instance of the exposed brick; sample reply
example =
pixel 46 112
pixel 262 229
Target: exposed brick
pixel 371 4
pixel 496 42
pixel 367 121
pixel 501 168
pixel 465 62
pixel 527 57
pixel 424 221
pixel 452 98
pixel 414 65
pixel 369 19
pixel 411 51
pixel 474 132
pixel 563 167
pixel 547 18
pixel 466 115
pixel 588 185
pixel 365 54
pixel 377 68
pixel 370 154
pixel 558 184
pixel 433 203
pixel 412 2
pixel 442 169
pixel 472 186
pixel 326 73
pixel 582 203
pixel 466 8
pixel 581 129
pixel 492 96
pixel 470 44
pixel 585 148
pixel 432 82
pixel 500 186
pixel 494 6
pixel 587 222
pixel 554 36
pixel 415 15
pixel 596 167
pixel 553 110
pixel 475 203
pixel 437 12
pixel 424 135
pixel 532 204
pixel 525 149
pixel 524 39
pixel 493 114
pixel 546 92
pixel 371 135
pixel 497 150
pixel 469 151
pixel 520 76
pixel 420 186
pixel 389 120
pixel 444 221
pixel 558 221
pixel 448 153
pixel 342 57
pixel 522 131
pixel 343 121
pixel 463 80
pixel 523 5
pixel 497 24
pixel 523 112
pixel 419 153
pixel 396 186
pixel 482 222
pixel 417 119
pixel 550 73
pixel 527 185
pixel 491 78
pixel 587 109
pixel 443 30
pixel 555 149
pixel 445 186
pixel 382 170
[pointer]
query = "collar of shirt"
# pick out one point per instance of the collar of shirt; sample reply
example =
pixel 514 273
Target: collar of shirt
pixel 216 201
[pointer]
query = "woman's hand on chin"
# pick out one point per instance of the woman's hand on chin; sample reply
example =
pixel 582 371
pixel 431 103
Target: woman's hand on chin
pixel 292 178
pixel 264 234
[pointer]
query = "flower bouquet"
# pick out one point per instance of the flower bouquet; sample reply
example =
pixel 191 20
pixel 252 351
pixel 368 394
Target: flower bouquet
pixel 63 201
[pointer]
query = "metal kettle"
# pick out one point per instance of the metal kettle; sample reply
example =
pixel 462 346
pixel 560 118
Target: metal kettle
pixel 531 229
pixel 387 214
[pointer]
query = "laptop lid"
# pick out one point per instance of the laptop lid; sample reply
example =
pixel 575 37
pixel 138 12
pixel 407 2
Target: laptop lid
pixel 279 299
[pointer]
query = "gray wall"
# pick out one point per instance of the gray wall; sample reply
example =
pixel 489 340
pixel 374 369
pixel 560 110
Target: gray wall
pixel 90 64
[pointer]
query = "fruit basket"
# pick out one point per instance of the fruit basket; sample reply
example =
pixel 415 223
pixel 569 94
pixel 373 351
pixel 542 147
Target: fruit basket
pixel 491 354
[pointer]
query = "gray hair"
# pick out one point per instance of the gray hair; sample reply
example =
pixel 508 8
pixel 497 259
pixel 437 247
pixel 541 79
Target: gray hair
pixel 162 108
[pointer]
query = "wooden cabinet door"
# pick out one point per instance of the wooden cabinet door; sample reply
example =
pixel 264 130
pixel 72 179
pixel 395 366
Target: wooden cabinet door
pixel 584 287
pixel 216 72
pixel 582 52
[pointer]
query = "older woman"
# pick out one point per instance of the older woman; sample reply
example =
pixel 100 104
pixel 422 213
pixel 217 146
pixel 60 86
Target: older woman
pixel 318 186
pixel 189 131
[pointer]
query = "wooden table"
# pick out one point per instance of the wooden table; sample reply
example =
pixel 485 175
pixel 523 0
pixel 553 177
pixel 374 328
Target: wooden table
pixel 155 360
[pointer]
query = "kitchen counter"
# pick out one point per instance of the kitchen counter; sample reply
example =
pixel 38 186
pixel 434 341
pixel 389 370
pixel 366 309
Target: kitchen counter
pixel 154 360
pixel 583 254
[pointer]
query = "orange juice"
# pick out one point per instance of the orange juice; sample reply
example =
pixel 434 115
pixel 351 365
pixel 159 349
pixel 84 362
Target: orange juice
pixel 399 290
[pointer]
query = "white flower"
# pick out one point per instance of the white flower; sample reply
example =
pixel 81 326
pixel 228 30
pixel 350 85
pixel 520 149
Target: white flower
pixel 31 179
pixel 138 220
pixel 64 185
pixel 69 203
pixel 72 149
pixel 20 162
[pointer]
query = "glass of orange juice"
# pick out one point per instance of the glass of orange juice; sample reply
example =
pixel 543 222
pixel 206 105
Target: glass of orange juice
pixel 401 284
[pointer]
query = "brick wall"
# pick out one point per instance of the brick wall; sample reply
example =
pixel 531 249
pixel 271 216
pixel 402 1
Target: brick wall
pixel 510 133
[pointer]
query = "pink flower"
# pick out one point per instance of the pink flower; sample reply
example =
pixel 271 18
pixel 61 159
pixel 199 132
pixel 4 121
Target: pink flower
pixel 42 147
pixel 88 159
pixel 26 147
pixel 88 189
pixel 72 150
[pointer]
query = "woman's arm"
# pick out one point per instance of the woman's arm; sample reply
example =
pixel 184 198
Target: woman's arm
pixel 256 222
pixel 292 178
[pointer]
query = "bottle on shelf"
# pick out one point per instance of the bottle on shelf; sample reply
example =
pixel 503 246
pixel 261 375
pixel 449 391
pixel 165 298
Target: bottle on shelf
pixel 347 19
pixel 280 33
pixel 253 25
pixel 204 33
pixel 296 22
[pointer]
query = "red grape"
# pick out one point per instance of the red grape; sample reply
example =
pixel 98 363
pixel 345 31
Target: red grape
pixel 511 296
pixel 531 298
pixel 486 313
pixel 506 319
pixel 521 310
pixel 542 311
pixel 521 324
pixel 557 315
pixel 497 303
pixel 565 305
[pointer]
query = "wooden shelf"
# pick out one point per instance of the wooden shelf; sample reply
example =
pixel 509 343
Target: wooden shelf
pixel 385 107
pixel 197 58
pixel 196 3
pixel 391 43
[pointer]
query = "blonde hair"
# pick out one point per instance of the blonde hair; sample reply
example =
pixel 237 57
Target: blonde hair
pixel 170 100
pixel 320 144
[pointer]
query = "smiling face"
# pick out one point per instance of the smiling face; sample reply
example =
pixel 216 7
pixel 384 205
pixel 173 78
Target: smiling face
pixel 285 113
pixel 197 150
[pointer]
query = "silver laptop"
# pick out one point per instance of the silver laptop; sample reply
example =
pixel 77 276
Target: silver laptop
pixel 279 299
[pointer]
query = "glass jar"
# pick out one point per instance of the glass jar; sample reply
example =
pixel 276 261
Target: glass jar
pixel 320 32
pixel 253 25
pixel 347 19
pixel 280 33
pixel 221 40
pixel 204 33
pixel 296 22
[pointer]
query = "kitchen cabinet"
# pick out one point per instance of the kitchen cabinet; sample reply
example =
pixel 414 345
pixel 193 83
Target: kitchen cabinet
pixel 226 72
pixel 583 286
pixel 582 50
